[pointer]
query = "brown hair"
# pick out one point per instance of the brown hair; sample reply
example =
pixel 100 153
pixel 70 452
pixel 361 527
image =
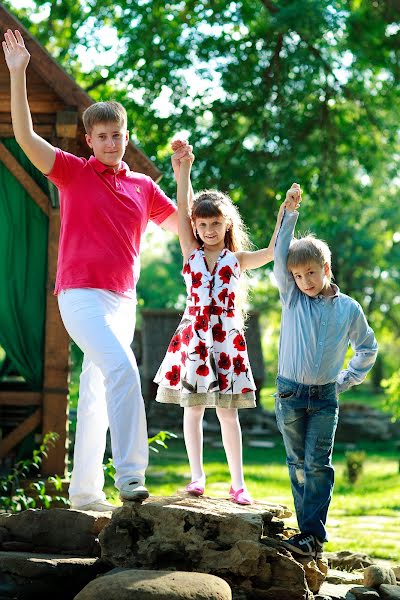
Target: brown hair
pixel 212 203
pixel 309 249
pixel 104 112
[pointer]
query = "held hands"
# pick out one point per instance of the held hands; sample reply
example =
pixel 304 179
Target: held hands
pixel 182 155
pixel 16 55
pixel 293 198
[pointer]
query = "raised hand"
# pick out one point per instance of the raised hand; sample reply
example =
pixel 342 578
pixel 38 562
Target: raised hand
pixel 182 150
pixel 293 198
pixel 16 55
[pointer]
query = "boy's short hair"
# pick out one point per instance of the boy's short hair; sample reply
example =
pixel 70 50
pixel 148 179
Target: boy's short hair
pixel 308 249
pixel 104 112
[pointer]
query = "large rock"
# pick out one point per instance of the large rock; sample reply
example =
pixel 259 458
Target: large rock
pixel 375 575
pixel 156 585
pixel 207 536
pixel 26 576
pixel 57 531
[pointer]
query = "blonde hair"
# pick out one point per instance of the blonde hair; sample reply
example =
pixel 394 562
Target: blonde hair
pixel 104 112
pixel 308 249
pixel 213 203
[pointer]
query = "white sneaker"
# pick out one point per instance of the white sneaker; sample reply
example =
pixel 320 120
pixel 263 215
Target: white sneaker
pixel 96 506
pixel 133 490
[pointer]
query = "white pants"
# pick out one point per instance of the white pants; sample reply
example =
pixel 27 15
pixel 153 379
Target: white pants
pixel 102 324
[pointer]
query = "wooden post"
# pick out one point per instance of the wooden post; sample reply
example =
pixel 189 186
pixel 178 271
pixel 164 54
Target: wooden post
pixel 56 360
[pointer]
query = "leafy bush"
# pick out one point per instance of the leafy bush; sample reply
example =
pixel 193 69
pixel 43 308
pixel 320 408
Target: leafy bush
pixel 15 497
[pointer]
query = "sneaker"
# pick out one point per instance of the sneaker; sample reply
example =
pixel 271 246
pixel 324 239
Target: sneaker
pixel 319 549
pixel 301 543
pixel 133 490
pixel 96 506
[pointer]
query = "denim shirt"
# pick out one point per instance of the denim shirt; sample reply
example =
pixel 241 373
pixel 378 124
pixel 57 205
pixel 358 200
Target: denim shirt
pixel 315 332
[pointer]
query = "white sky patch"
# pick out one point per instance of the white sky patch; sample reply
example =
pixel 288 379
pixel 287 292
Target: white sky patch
pixel 105 55
pixel 392 29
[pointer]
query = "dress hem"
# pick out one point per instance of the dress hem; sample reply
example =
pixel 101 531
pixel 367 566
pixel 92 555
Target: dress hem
pixel 208 400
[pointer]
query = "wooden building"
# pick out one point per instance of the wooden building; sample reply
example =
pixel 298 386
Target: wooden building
pixel 38 402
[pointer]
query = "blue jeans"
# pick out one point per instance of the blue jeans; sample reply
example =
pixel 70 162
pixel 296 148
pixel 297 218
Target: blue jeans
pixel 307 417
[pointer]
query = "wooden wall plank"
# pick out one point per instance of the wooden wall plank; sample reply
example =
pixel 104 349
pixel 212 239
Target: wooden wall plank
pixel 24 178
pixel 20 432
pixel 19 398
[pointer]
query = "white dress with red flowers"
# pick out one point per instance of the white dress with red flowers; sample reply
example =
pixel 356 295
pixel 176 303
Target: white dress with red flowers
pixel 207 362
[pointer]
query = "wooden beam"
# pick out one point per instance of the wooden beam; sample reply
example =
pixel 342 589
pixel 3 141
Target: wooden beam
pixel 56 364
pixel 20 432
pixel 20 398
pixel 24 179
pixel 45 131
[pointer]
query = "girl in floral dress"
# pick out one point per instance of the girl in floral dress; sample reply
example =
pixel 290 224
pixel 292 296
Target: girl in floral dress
pixel 206 364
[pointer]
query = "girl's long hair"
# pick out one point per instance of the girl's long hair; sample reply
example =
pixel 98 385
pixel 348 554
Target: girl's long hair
pixel 213 203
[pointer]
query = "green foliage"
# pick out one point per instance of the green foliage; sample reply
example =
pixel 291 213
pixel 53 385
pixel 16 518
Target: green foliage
pixel 158 440
pixel 354 465
pixel 392 390
pixel 14 497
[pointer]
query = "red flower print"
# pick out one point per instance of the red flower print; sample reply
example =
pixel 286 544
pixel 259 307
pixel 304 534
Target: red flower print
pixel 223 381
pixel 239 343
pixel 187 335
pixel 225 274
pixel 201 322
pixel 186 268
pixel 230 313
pixel 224 361
pixel 222 295
pixel 215 309
pixel 219 334
pixel 231 300
pixel 195 297
pixel 245 390
pixel 175 344
pixel 201 350
pixel 174 375
pixel 238 364
pixel 202 370
pixel 183 358
pixel 196 280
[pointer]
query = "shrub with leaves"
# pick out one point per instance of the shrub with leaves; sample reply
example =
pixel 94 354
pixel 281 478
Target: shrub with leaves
pixel 15 497
pixel 156 440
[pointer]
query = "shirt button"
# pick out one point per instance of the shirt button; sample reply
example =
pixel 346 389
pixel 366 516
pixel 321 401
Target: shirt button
pixel 323 323
pixel 316 365
pixel 320 343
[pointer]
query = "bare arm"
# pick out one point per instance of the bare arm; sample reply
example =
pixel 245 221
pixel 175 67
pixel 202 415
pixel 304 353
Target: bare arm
pixel 259 258
pixel 40 153
pixel 186 236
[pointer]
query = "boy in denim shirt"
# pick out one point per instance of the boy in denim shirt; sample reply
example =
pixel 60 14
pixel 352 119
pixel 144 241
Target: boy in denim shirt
pixel 318 323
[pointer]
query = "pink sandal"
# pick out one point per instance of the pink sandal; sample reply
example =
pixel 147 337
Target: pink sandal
pixel 194 488
pixel 241 496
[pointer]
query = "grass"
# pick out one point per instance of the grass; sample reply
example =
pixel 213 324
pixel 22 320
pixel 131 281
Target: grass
pixel 363 517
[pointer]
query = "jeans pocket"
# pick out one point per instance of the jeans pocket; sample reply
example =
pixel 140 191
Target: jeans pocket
pixel 285 395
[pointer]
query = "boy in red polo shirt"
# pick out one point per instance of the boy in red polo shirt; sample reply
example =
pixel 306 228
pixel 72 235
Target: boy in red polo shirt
pixel 104 210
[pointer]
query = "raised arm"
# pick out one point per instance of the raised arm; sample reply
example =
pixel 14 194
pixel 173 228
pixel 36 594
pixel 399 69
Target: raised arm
pixel 40 153
pixel 181 149
pixel 184 194
pixel 259 258
pixel 286 284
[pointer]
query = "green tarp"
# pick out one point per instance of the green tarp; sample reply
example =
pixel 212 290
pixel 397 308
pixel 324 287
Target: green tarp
pixel 23 271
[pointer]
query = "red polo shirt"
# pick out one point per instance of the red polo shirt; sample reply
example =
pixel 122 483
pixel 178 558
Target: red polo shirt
pixel 103 216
